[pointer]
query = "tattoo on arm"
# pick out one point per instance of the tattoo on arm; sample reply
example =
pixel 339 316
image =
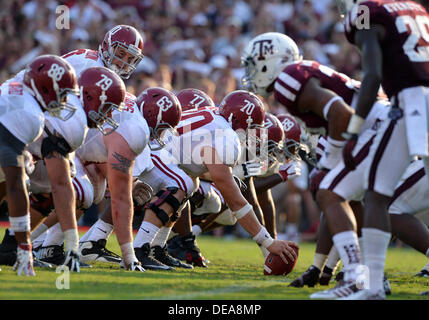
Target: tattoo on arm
pixel 123 163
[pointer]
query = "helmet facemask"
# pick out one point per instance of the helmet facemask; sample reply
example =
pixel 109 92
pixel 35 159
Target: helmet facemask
pixel 102 119
pixel 56 107
pixel 158 134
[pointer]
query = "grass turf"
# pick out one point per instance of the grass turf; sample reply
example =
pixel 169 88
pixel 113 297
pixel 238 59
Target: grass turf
pixel 235 273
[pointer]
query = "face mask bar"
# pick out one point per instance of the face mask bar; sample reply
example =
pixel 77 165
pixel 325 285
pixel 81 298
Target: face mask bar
pixel 55 107
pixel 157 133
pixel 102 118
pixel 127 67
pixel 250 73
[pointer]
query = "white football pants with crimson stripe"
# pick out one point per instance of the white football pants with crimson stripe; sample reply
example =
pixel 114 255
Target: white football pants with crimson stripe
pixel 168 175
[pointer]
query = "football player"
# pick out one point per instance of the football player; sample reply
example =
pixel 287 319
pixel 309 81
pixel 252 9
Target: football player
pixel 394 52
pixel 321 100
pixel 44 101
pixel 120 51
pixel 207 141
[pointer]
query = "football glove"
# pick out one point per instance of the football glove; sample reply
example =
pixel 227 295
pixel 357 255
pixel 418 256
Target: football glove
pixel 24 260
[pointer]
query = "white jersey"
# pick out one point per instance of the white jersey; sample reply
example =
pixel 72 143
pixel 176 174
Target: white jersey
pixel 20 113
pixel 73 130
pixel 197 129
pixel 132 127
pixel 80 60
pixel 83 59
pixel 143 162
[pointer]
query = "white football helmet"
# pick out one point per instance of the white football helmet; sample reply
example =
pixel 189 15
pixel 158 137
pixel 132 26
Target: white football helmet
pixel 264 58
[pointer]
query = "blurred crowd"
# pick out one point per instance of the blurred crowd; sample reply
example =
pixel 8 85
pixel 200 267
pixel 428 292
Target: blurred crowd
pixel 187 43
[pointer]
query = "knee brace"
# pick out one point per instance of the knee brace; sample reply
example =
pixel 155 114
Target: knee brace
pixel 42 204
pixel 165 196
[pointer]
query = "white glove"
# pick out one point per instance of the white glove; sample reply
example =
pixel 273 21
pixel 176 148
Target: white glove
pixel 290 170
pixel 24 260
pixel 72 261
pixel 136 266
pixel 142 192
pixel 248 169
pixel 28 163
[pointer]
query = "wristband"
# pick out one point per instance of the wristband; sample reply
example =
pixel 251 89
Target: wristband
pixel 243 211
pixel 263 238
pixel 329 104
pixel 20 224
pixel 355 124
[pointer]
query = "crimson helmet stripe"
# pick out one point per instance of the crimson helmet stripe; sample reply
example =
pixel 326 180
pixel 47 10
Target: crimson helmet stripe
pixel 160 165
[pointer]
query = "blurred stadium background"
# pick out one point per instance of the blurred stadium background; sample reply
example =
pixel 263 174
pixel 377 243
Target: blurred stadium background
pixel 187 43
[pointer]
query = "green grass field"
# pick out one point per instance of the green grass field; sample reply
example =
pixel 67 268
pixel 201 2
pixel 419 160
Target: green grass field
pixel 235 273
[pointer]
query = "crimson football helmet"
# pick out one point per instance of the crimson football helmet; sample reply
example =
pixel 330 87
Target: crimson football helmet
pixel 49 79
pixel 101 92
pixel 243 110
pixel 118 42
pixel 193 99
pixel 292 131
pixel 275 137
pixel 162 111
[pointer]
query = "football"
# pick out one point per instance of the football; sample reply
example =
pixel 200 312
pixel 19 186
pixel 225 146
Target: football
pixel 274 264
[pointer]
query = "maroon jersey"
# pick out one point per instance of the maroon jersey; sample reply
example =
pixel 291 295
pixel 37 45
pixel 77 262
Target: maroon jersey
pixel 405 45
pixel 290 83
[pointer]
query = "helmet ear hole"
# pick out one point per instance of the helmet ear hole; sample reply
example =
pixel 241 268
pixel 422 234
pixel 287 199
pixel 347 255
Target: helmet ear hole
pixel 264 69
pixel 41 67
pixel 45 90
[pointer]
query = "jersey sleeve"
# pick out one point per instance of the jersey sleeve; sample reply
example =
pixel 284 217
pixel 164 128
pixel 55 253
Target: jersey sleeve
pixel 143 162
pixel 83 59
pixel 228 147
pixel 133 128
pixel 289 84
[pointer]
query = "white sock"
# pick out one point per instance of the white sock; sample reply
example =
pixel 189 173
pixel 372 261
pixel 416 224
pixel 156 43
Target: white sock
pixel 11 233
pixel 40 239
pixel 427 253
pixel 100 229
pixel 71 238
pixel 38 231
pixel 347 245
pixel 333 259
pixel 146 234
pixel 161 237
pixel 55 236
pixel 375 243
pixel 196 230
pixel 128 254
pixel 319 260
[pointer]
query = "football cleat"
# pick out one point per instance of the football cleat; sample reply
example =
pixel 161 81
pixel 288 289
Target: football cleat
pixel 55 255
pixel 423 273
pixel 148 262
pixel 52 254
pixel 424 293
pixel 326 276
pixel 309 278
pixel 339 292
pixel 96 251
pixel 365 295
pixel 386 286
pixel 161 254
pixel 41 264
pixel 340 276
pixel 9 243
pixel 8 258
pixel 186 249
